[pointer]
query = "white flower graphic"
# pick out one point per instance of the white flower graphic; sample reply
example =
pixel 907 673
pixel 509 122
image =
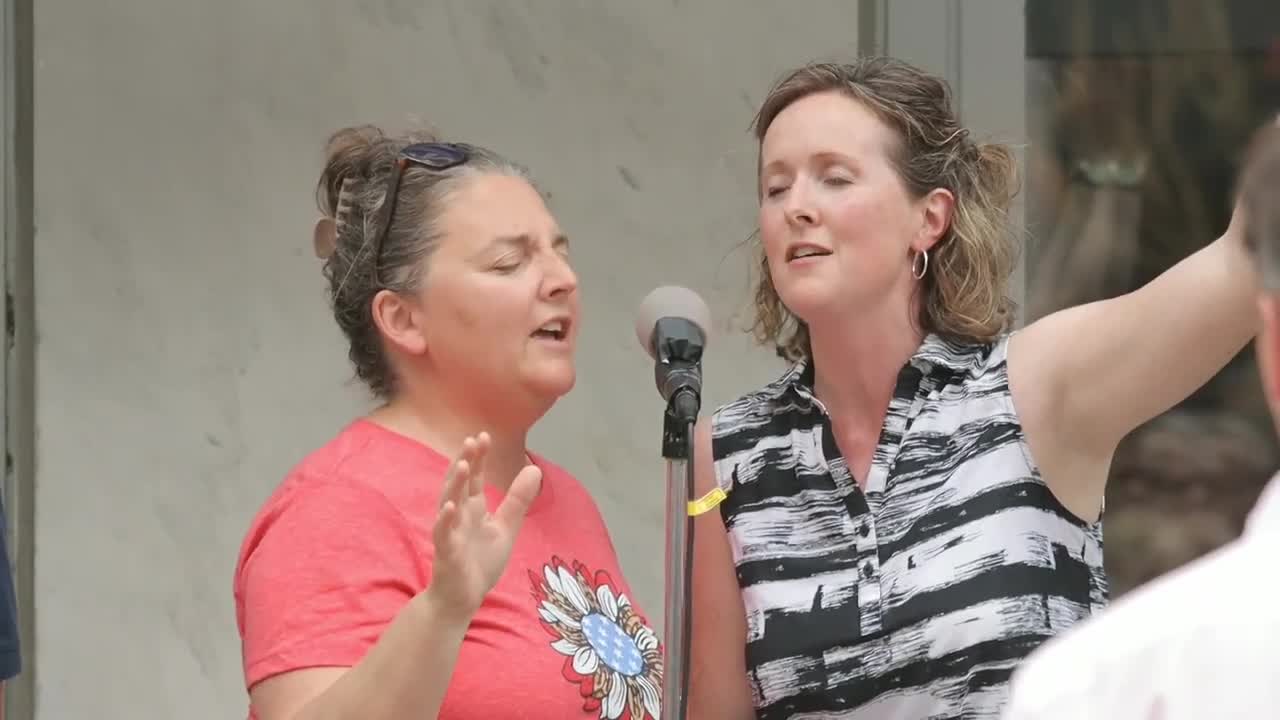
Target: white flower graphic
pixel 610 651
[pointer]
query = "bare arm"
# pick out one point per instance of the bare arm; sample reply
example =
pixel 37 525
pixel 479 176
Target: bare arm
pixel 1085 377
pixel 718 688
pixel 405 675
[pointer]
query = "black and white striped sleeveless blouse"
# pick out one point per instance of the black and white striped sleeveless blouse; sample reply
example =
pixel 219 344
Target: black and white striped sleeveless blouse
pixel 917 598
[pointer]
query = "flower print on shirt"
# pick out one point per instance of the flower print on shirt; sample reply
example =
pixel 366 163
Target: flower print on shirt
pixel 610 651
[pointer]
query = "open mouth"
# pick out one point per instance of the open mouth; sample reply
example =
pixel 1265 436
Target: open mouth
pixel 800 252
pixel 553 330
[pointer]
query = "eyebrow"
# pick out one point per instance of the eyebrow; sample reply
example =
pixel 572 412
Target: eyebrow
pixel 825 157
pixel 525 240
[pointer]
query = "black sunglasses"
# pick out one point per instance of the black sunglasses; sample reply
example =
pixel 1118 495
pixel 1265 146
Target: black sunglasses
pixel 436 157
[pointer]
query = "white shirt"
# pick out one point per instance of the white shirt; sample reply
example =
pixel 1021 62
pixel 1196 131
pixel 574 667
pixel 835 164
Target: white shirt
pixel 1202 641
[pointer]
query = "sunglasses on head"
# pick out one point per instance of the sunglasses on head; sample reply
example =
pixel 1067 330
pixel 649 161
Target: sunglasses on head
pixel 434 156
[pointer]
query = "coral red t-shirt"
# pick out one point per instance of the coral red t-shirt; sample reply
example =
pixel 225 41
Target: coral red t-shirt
pixel 345 542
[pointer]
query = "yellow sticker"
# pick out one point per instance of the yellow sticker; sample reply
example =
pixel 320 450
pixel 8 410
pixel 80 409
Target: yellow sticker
pixel 707 502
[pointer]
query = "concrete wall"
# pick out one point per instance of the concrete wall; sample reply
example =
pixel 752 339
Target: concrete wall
pixel 185 358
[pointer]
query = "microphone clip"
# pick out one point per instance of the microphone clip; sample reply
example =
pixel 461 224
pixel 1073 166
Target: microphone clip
pixel 677 370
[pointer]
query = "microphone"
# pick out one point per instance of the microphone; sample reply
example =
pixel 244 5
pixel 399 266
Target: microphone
pixel 671 326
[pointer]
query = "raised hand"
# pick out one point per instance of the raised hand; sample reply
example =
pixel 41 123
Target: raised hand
pixel 472 545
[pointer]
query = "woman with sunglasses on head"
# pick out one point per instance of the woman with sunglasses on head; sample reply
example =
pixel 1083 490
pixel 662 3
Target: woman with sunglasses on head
pixel 913 507
pixel 382 579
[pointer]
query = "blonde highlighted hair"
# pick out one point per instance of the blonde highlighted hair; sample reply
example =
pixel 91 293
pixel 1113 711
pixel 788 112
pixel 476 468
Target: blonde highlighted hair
pixel 965 291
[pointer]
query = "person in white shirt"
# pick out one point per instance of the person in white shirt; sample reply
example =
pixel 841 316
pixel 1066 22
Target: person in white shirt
pixel 1202 641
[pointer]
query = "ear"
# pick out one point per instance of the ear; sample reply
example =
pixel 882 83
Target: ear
pixel 399 321
pixel 324 238
pixel 936 209
pixel 1267 345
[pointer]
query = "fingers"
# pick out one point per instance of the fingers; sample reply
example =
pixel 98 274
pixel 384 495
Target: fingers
pixel 457 481
pixel 446 521
pixel 477 467
pixel 520 496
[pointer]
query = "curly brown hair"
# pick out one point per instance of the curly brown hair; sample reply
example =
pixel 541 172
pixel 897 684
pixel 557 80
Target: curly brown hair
pixel 965 293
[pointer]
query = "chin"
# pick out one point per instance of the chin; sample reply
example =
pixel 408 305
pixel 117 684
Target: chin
pixel 806 301
pixel 552 384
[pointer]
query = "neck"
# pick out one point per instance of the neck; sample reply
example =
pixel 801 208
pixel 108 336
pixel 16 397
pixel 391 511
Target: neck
pixel 443 423
pixel 856 364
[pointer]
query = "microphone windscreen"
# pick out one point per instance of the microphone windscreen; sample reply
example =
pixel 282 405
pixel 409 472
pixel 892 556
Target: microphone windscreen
pixel 670 301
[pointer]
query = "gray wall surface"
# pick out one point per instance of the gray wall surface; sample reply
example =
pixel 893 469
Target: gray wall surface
pixel 185 357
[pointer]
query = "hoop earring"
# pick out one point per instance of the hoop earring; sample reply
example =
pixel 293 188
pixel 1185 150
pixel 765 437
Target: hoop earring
pixel 924 266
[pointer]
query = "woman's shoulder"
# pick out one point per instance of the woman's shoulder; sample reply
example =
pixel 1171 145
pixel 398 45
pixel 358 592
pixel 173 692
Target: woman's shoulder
pixel 971 357
pixel 764 400
pixel 962 358
pixel 360 470
pixel 563 488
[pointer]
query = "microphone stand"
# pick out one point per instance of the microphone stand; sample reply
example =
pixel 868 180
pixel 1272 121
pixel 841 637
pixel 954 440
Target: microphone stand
pixel 677 449
pixel 678 373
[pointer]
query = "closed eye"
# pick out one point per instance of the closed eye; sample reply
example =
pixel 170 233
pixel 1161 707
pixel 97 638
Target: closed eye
pixel 508 264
